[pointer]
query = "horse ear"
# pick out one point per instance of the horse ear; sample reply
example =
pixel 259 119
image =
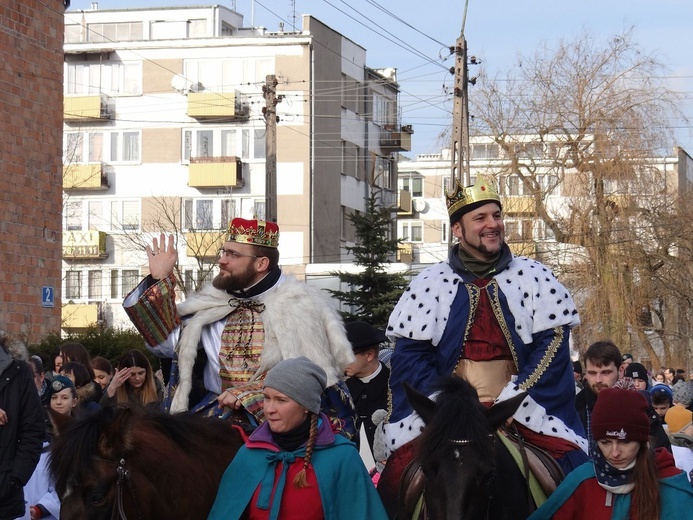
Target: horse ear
pixel 59 421
pixel 499 412
pixel 116 437
pixel 421 404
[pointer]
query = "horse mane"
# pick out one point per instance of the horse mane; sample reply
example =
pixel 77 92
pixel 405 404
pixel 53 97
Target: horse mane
pixel 98 434
pixel 459 416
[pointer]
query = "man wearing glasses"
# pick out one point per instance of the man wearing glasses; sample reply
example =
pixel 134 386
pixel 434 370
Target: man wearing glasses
pixel 239 326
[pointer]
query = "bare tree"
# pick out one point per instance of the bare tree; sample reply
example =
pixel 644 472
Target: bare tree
pixel 586 120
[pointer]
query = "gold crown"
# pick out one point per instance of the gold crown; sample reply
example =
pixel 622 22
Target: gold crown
pixel 257 232
pixel 461 197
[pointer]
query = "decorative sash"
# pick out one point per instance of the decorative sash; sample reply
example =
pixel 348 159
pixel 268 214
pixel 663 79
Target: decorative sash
pixel 241 343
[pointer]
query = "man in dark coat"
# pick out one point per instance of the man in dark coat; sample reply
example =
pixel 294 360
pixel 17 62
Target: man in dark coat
pixel 367 376
pixel 22 426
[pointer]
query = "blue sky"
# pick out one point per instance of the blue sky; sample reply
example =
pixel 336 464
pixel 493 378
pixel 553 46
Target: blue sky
pixel 413 37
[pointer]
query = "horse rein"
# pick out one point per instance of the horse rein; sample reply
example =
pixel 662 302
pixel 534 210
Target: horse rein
pixel 123 480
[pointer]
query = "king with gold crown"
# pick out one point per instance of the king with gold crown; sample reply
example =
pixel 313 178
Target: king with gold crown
pixel 500 321
pixel 225 337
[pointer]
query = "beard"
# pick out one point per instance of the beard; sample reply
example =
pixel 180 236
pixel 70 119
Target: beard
pixel 480 247
pixel 226 281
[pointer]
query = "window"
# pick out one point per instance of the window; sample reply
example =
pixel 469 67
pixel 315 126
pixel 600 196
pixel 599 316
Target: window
pixel 73 285
pixel 110 78
pixel 115 284
pixel 95 280
pixel 208 214
pixel 485 151
pixel 125 215
pixel 223 142
pixel 73 216
pixel 226 75
pixel 412 184
pixel 445 231
pixel 123 282
pixel 410 230
pixel 73 33
pixel 348 231
pixel 383 172
pixel 114 32
pixel 259 150
pixel 95 147
pixel 259 206
pixel 74 148
pixel 125 146
pixel 95 215
pixel 382 110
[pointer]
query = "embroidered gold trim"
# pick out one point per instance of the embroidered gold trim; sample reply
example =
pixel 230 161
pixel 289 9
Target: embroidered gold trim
pixel 546 360
pixel 473 292
pixel 498 311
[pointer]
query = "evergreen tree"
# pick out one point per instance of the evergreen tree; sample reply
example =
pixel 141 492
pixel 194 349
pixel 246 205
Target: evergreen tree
pixel 372 291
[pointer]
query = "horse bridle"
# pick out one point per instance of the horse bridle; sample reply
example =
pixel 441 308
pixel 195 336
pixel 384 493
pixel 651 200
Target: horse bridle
pixel 123 481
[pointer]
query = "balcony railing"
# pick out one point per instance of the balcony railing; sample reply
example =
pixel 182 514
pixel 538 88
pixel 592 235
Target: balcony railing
pixel 405 253
pixel 84 245
pixel 523 248
pixel 396 141
pixel 94 107
pixel 79 315
pixel 84 177
pixel 204 244
pixel 215 172
pixel 519 204
pixel 214 105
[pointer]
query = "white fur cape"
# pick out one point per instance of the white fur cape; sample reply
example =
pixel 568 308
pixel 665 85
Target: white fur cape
pixel 299 320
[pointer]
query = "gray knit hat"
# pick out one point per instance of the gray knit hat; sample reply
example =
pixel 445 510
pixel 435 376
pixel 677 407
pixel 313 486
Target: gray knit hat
pixel 300 379
pixel 683 393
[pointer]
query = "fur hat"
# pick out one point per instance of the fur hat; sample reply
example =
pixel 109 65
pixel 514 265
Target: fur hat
pixel 300 379
pixel 683 393
pixel 364 336
pixel 620 414
pixel 636 371
pixel 677 418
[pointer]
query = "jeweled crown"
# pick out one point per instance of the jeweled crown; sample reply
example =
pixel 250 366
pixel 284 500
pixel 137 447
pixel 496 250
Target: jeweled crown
pixel 256 232
pixel 461 197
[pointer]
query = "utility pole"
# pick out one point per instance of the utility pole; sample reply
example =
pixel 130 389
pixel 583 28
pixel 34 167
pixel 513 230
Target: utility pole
pixel 460 112
pixel 269 111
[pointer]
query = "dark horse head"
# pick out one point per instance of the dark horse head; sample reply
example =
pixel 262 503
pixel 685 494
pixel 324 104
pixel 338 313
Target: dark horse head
pixel 468 473
pixel 121 463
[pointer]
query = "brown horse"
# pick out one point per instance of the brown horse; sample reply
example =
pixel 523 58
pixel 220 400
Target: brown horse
pixel 126 464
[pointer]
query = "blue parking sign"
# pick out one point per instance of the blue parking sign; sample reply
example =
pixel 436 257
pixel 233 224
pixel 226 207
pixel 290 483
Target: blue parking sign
pixel 47 296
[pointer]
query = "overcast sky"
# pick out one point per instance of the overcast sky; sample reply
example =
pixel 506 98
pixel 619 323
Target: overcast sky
pixel 414 35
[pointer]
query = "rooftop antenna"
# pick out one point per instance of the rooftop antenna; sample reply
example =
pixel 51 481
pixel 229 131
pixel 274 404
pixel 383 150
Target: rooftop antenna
pixel 292 15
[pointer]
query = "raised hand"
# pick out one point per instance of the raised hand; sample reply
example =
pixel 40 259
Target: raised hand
pixel 162 257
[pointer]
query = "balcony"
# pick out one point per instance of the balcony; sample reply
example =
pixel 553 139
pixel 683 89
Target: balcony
pixel 405 253
pixel 396 141
pixel 215 172
pixel 204 244
pixel 216 105
pixel 523 248
pixel 94 107
pixel 404 204
pixel 85 177
pixel 84 245
pixel 79 315
pixel 519 205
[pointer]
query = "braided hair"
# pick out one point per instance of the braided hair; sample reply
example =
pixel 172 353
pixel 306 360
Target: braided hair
pixel 301 479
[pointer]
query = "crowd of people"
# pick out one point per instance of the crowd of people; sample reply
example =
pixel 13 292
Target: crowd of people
pixel 258 348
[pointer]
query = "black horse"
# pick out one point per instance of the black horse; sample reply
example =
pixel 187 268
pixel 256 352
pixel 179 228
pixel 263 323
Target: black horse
pixel 468 472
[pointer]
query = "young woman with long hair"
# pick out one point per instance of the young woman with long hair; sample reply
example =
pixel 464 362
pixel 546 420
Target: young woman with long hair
pixel 133 382
pixel 293 465
pixel 626 478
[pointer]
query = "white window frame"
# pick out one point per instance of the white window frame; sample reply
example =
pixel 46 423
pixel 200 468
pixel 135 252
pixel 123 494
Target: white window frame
pixel 405 230
pixel 113 78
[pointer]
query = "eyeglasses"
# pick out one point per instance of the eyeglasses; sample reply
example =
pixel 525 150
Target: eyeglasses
pixel 230 253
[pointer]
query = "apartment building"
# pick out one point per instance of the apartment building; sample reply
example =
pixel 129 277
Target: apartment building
pixel 31 54
pixel 166 130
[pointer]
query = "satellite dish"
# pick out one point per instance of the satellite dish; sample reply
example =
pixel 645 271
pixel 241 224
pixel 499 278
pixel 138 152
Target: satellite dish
pixel 179 83
pixel 419 205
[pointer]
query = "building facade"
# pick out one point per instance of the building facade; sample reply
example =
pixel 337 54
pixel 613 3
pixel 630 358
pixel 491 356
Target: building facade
pixel 173 119
pixel 31 77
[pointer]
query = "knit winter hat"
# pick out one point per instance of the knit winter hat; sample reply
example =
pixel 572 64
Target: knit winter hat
pixel 677 418
pixel 683 393
pixel 636 371
pixel 620 414
pixel 662 388
pixel 300 379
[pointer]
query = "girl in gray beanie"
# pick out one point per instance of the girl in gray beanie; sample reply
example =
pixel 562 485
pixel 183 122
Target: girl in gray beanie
pixel 293 465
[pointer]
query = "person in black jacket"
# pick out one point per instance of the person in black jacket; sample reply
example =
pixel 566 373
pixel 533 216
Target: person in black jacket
pixel 367 376
pixel 22 427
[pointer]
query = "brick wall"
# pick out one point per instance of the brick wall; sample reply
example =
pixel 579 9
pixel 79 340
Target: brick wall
pixel 31 99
